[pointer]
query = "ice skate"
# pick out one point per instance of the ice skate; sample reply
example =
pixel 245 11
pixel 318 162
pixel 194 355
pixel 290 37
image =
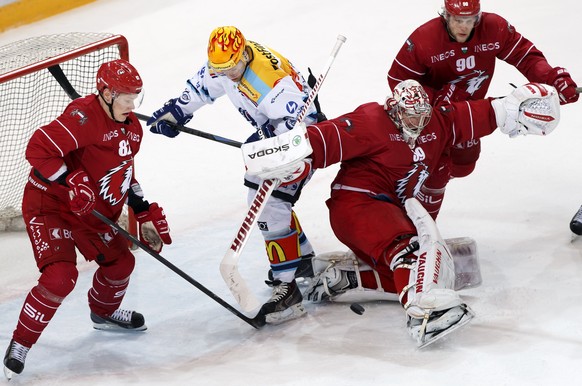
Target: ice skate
pixel 576 224
pixel 14 359
pixel 438 324
pixel 285 303
pixel 120 320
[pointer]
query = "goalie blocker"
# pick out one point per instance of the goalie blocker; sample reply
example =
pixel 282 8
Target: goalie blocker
pixel 281 157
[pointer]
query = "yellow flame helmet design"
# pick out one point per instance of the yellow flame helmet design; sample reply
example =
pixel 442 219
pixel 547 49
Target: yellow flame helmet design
pixel 225 47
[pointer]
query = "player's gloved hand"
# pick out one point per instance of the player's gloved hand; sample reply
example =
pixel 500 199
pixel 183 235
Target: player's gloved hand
pixel 450 93
pixel 153 227
pixel 171 112
pixel 533 108
pixel 81 194
pixel 296 174
pixel 566 87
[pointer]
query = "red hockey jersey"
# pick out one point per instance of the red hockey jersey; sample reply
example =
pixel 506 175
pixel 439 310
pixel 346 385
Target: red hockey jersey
pixel 434 59
pixel 84 137
pixel 375 158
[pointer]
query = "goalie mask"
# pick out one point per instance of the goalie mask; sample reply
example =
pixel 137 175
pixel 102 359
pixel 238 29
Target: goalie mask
pixel 409 108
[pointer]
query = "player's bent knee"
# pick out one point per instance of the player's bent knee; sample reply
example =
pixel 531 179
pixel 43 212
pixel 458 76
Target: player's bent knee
pixel 121 268
pixel 59 279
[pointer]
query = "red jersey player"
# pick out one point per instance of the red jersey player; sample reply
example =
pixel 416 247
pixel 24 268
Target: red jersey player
pixel 386 154
pixel 453 56
pixel 83 161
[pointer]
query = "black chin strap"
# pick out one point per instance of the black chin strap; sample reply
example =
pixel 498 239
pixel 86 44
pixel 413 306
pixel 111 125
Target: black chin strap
pixel 110 105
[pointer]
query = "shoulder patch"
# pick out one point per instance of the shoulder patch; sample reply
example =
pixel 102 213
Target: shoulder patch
pixel 80 116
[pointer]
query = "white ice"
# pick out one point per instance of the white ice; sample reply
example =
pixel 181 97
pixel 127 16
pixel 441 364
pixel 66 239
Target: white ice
pixel 517 205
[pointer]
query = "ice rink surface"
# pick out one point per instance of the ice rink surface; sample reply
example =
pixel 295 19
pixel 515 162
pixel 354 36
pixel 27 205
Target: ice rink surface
pixel 516 205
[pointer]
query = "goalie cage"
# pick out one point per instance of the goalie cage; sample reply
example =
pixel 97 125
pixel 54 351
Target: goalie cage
pixel 32 97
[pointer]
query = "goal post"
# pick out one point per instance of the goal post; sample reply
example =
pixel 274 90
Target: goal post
pixel 32 97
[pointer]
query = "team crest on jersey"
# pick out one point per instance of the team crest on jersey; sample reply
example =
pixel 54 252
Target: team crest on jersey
pixel 115 184
pixel 410 185
pixel 80 116
pixel 474 80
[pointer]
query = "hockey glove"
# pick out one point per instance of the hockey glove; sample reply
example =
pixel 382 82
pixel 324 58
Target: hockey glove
pixel 450 93
pixel 81 195
pixel 298 174
pixel 566 87
pixel 533 108
pixel 153 227
pixel 171 112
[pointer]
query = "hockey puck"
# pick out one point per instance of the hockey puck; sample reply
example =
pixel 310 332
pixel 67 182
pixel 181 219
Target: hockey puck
pixel 357 308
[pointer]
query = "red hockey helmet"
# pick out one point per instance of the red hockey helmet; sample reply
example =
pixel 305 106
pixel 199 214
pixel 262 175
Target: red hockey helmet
pixel 463 8
pixel 120 77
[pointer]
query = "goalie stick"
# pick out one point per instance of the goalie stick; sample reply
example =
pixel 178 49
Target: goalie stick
pixel 257 322
pixel 229 264
pixel 57 73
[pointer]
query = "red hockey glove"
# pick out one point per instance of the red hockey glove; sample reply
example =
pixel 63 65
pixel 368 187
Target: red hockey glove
pixel 153 227
pixel 450 93
pixel 81 195
pixel 566 87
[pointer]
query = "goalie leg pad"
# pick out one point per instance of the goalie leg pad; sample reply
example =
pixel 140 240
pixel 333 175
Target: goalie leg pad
pixel 338 278
pixel 433 307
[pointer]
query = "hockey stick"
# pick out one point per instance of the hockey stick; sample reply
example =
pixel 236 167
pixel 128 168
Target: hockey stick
pixel 579 90
pixel 196 132
pixel 61 78
pixel 257 322
pixel 229 264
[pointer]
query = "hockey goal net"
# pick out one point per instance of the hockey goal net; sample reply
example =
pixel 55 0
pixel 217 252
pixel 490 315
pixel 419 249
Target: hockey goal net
pixel 38 78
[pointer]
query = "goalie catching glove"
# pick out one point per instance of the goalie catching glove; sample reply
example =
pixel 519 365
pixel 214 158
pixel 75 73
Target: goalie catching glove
pixel 153 227
pixel 533 108
pixel 164 119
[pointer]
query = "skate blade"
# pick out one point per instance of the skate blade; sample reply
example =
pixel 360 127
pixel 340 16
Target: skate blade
pixel 293 312
pixel 466 318
pixel 116 328
pixel 8 373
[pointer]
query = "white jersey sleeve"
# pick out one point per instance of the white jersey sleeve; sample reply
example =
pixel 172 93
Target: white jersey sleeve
pixel 282 104
pixel 202 89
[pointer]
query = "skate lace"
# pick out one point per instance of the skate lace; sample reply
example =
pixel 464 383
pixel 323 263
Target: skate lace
pixel 122 315
pixel 279 292
pixel 18 351
pixel 578 216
